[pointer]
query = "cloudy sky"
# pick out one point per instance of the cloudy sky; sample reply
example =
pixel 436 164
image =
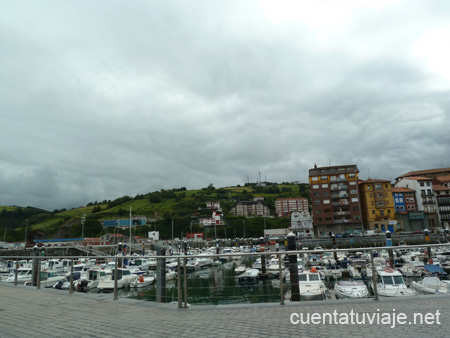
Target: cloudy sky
pixel 100 99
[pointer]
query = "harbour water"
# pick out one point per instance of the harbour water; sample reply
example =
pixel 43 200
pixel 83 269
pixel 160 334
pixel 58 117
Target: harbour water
pixel 214 286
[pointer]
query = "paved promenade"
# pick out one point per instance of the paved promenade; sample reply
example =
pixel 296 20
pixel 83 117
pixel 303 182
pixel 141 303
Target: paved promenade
pixel 28 312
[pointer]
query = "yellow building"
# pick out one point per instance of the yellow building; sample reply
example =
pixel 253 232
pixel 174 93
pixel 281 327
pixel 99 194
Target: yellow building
pixel 377 204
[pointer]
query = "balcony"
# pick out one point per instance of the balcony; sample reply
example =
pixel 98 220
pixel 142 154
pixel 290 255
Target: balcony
pixel 338 179
pixel 341 213
pixel 334 204
pixel 340 187
pixel 339 195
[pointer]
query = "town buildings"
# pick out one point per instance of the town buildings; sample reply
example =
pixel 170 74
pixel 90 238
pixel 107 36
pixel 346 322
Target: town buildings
pixel 335 199
pixel 284 206
pixel 377 205
pixel 255 208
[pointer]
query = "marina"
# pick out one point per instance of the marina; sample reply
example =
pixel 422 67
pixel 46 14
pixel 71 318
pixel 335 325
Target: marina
pixel 239 275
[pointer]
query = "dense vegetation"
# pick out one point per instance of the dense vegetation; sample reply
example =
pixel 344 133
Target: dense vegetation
pixel 179 207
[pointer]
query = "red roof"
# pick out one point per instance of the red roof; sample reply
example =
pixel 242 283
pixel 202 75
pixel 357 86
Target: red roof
pixel 418 178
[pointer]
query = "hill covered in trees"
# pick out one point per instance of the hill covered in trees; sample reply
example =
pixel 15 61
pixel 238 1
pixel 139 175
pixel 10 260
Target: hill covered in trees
pixel 180 206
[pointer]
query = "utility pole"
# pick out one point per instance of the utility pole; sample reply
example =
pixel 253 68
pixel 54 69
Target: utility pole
pixel 83 218
pixel 26 231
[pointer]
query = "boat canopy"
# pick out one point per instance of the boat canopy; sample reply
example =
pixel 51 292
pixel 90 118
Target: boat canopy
pixel 434 269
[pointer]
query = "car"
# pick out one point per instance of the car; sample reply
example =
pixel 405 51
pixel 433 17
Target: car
pixel 418 232
pixel 338 236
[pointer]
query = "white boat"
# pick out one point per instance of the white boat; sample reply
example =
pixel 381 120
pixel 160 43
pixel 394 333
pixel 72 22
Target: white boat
pixel 143 281
pixel 124 279
pixel 240 269
pixel 249 276
pixel 391 284
pixel 311 286
pixel 351 289
pixel 431 284
pixel 412 269
pixel 170 274
pixel 358 269
pixel 23 275
pixel 49 278
pixel 91 280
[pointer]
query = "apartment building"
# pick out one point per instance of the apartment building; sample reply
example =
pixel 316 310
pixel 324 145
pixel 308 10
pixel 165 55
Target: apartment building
pixel 441 186
pixel 406 209
pixel 284 206
pixel 425 198
pixel 335 199
pixel 377 205
pixel 250 208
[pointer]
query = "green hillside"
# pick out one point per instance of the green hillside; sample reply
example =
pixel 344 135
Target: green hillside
pixel 180 206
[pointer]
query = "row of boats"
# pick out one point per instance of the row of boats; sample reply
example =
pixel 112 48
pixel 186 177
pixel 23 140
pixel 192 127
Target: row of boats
pixel 314 270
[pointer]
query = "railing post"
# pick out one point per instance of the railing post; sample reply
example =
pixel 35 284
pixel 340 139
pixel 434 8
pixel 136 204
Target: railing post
pixel 281 280
pixel 374 277
pixel 179 283
pixel 185 282
pixel 115 279
pixel 293 269
pixel 38 280
pixel 16 272
pixel 71 277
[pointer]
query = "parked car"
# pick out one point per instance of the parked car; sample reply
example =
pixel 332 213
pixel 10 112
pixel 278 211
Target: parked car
pixel 418 232
pixel 338 235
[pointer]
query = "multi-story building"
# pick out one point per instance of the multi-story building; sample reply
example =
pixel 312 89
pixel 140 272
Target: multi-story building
pixel 406 209
pixel 425 198
pixel 250 208
pixel 302 224
pixel 284 206
pixel 335 199
pixel 377 205
pixel 430 173
pixel 442 190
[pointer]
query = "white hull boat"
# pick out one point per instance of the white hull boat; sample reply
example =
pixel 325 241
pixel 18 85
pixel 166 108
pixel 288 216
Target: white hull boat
pixel 351 289
pixel 431 285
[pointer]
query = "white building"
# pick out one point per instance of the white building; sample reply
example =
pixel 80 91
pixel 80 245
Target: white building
pixel 302 223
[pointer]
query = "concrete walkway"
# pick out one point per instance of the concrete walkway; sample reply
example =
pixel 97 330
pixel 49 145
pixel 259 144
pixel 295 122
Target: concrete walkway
pixel 28 312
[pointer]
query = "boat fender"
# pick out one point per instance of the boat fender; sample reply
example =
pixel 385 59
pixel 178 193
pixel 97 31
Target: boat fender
pixel 141 279
pixel 313 269
pixel 430 261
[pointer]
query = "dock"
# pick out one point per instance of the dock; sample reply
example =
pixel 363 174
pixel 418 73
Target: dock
pixel 30 312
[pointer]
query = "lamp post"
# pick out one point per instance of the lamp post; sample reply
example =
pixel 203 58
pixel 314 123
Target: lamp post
pixel 83 218
pixel 26 231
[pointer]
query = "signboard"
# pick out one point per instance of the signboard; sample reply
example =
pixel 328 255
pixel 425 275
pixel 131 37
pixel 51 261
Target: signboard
pixel 154 235
pixel 393 222
pixel 416 215
pixel 194 235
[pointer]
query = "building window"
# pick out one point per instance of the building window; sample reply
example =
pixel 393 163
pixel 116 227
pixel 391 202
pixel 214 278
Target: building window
pixel 324 178
pixel 351 175
pixel 317 202
pixel 324 185
pixel 353 191
pixel 373 212
pixel 326 201
pixel 326 193
pixel 369 187
pixel 315 178
pixel 355 199
pixel 377 186
pixel 315 186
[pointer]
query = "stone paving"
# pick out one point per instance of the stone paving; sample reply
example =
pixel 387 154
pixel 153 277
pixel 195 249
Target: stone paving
pixel 28 312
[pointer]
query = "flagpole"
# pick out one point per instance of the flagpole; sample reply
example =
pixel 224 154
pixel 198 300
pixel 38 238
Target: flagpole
pixel 130 231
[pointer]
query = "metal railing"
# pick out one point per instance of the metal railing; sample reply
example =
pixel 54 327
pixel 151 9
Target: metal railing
pixel 182 266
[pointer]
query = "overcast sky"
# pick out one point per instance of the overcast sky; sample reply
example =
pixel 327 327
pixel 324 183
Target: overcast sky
pixel 101 99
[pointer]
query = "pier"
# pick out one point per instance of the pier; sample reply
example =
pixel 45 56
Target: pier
pixel 31 312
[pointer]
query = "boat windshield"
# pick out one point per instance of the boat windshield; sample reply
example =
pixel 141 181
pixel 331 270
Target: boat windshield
pixel 398 280
pixel 314 277
pixel 387 280
pixel 302 278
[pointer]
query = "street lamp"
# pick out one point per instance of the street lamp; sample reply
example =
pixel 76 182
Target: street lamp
pixel 83 218
pixel 26 231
